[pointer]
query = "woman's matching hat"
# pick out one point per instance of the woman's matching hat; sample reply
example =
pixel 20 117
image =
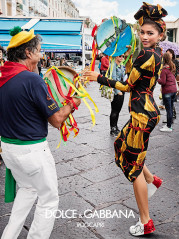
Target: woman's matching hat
pixel 19 37
pixel 155 13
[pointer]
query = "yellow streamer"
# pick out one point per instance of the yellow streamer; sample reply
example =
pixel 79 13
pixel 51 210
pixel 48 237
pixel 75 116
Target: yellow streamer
pixel 71 84
pixel 92 114
pixel 115 36
pixel 84 94
pixel 88 96
pixel 70 116
pixel 59 143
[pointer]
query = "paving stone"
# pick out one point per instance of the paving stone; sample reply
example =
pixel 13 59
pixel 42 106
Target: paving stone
pixel 2 187
pixel 72 184
pixel 111 190
pixel 64 170
pixel 5 207
pixel 110 151
pixel 71 152
pixel 115 221
pixel 83 138
pixel 165 152
pixel 168 230
pixel 72 231
pixel 2 170
pixel 159 140
pixel 90 161
pixel 162 205
pixel 3 222
pixel 172 184
pixel 73 205
pixel 166 169
pixel 114 227
pixel 23 234
pixel 102 173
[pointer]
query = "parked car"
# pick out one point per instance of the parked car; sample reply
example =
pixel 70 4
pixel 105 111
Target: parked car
pixel 76 60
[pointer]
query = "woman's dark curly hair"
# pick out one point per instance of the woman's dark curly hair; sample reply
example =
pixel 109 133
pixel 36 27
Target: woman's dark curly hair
pixel 18 53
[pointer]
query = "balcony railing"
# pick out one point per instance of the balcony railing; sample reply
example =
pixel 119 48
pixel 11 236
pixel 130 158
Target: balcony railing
pixel 19 6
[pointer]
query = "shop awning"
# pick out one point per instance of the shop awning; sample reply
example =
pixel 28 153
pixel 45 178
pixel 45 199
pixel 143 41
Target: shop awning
pixel 61 42
pixel 56 43
pixel 57 35
pixel 7 24
pixel 58 27
pixel 4 39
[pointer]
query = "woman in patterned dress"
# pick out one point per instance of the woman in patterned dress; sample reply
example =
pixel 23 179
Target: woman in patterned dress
pixel 132 142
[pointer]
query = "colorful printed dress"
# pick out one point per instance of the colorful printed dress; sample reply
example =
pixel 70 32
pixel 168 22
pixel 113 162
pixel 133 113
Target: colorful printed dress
pixel 132 142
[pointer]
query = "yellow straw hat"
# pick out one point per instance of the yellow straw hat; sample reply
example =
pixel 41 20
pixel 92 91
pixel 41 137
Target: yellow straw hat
pixel 19 37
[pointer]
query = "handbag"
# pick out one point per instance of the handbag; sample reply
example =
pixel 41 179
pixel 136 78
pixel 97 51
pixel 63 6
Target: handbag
pixel 107 92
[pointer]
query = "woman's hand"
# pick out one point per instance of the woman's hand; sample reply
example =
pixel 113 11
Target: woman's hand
pixel 91 75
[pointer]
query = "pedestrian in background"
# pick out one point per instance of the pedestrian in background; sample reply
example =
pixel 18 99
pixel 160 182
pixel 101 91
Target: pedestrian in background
pixel 176 62
pixel 24 127
pixel 39 65
pixel 48 62
pixel 168 82
pixel 99 58
pixel 118 74
pixel 2 51
pixel 104 65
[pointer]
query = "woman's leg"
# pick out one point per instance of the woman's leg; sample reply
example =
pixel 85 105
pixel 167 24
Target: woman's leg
pixel 116 106
pixel 173 97
pixel 147 174
pixel 141 195
pixel 167 98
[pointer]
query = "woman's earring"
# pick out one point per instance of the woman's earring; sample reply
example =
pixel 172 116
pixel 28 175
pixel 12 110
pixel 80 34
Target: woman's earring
pixel 158 42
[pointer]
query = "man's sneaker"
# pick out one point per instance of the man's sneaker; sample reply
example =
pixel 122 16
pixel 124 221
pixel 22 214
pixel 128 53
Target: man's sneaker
pixel 142 229
pixel 166 129
pixel 114 131
pixel 152 187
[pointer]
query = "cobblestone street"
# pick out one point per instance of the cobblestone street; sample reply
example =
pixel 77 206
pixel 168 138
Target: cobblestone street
pixel 89 179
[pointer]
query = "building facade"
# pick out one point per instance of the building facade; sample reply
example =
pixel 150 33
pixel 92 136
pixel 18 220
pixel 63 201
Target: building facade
pixel 39 8
pixel 27 8
pixel 62 9
pixel 173 31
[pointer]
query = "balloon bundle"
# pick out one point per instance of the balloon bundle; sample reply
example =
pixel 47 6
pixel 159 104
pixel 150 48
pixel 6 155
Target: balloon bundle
pixel 64 83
